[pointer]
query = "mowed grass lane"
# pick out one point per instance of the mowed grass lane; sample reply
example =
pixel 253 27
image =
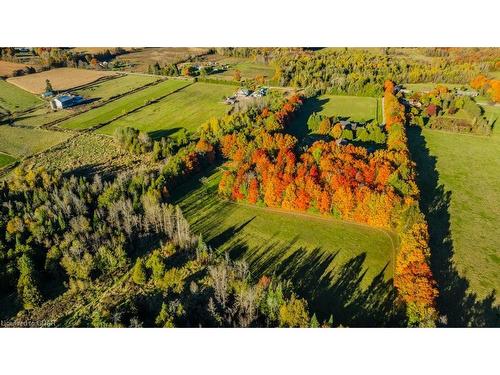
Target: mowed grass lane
pixel 22 142
pixel 187 108
pixel 118 107
pixel 469 166
pixel 14 99
pixel 318 254
pixel 99 92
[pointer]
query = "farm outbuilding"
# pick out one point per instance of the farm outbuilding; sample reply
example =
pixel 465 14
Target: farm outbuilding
pixel 65 101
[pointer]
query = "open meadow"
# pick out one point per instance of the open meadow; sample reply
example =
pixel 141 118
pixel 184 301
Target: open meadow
pixel 355 108
pixel 85 154
pixel 122 106
pixel 187 108
pixel 467 169
pixel 248 69
pixel 13 99
pixel 317 253
pixel 61 79
pixel 22 142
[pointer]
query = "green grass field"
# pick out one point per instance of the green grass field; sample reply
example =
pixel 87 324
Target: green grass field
pixel 356 108
pixel 99 92
pixel 318 254
pixel 6 160
pixel 248 69
pixel 468 167
pixel 104 90
pixel 86 154
pixel 14 99
pixel 123 105
pixel 187 108
pixel 22 142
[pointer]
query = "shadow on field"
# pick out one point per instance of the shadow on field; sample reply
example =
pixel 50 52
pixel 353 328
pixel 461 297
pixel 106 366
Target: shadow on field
pixel 298 126
pixel 157 134
pixel 335 292
pixel 460 307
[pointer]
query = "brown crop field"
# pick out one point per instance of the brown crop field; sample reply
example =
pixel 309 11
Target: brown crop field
pixel 7 68
pixel 61 79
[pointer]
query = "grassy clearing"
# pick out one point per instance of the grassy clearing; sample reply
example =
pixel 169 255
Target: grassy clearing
pixel 40 116
pixel 312 251
pixel 468 167
pixel 61 79
pixel 248 69
pixel 187 108
pixel 112 110
pixel 6 160
pixel 355 108
pixel 420 87
pixel 22 142
pixel 13 99
pixel 86 154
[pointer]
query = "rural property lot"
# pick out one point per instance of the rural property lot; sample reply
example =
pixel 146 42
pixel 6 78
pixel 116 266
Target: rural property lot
pixel 248 69
pixel 474 202
pixel 98 93
pixel 311 250
pixel 356 108
pixel 187 108
pixel 141 60
pixel 61 79
pixel 22 142
pixel 119 107
pixel 13 99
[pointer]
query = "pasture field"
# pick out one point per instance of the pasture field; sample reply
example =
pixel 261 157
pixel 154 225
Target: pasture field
pixel 85 154
pixel 103 91
pixel 248 69
pixel 187 108
pixel 468 168
pixel 61 79
pixel 7 68
pixel 98 93
pixel 139 61
pixel 121 106
pixel 6 160
pixel 314 251
pixel 355 108
pixel 22 142
pixel 13 99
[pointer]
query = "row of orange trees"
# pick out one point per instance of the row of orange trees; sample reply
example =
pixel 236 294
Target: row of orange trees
pixel 413 276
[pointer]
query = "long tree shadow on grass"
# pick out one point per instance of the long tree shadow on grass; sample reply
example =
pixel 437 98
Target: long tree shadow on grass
pixel 459 306
pixel 335 289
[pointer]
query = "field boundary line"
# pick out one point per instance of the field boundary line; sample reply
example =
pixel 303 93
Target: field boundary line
pixel 101 125
pixel 110 100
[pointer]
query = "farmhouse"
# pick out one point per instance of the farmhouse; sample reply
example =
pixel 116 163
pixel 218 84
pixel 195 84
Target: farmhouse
pixel 65 101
